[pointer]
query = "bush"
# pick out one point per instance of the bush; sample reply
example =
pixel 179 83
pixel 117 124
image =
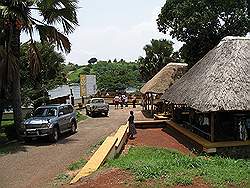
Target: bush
pixel 10 132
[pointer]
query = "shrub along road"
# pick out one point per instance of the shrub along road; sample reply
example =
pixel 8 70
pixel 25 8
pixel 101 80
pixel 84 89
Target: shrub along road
pixel 37 163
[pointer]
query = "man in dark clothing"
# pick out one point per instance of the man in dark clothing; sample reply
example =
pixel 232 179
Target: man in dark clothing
pixel 132 129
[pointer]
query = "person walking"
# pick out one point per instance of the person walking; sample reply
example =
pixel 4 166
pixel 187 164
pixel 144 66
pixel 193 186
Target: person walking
pixel 116 101
pixel 121 102
pixel 131 125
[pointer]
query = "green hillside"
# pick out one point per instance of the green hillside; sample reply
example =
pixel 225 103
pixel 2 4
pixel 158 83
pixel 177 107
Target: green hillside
pixel 111 76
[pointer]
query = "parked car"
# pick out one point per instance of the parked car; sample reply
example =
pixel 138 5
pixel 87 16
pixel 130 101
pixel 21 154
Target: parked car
pixel 97 106
pixel 49 121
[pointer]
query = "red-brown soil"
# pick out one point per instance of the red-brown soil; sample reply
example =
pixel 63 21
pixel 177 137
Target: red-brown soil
pixel 116 178
pixel 112 178
pixel 156 137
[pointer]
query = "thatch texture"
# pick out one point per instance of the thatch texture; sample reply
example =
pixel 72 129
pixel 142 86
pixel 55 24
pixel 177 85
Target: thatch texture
pixel 220 81
pixel 165 78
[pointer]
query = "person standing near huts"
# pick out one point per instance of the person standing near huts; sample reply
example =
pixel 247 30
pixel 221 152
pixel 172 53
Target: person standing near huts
pixel 132 130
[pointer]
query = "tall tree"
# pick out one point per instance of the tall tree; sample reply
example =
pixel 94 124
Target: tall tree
pixel 158 54
pixel 21 15
pixel 52 73
pixel 201 24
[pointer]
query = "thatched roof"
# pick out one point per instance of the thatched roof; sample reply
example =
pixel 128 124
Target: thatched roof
pixel 165 78
pixel 220 81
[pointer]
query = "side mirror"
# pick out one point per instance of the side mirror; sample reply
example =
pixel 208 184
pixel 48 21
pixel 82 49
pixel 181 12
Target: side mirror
pixel 60 113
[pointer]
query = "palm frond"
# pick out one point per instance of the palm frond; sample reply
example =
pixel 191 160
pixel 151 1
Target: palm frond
pixel 34 58
pixel 16 10
pixel 61 12
pixel 52 35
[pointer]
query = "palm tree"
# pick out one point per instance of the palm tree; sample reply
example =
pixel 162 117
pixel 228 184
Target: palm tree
pixel 158 54
pixel 30 16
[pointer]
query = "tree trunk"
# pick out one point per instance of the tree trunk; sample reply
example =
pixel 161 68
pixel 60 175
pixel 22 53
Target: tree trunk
pixel 17 110
pixel 16 92
pixel 1 114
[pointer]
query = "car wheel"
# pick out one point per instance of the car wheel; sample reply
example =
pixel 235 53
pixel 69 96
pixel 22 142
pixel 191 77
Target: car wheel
pixel 55 134
pixel 90 114
pixel 73 127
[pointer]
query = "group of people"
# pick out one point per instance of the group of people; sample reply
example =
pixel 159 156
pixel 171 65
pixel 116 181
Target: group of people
pixel 122 100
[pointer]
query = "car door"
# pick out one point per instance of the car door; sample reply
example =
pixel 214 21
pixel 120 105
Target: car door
pixel 68 111
pixel 62 119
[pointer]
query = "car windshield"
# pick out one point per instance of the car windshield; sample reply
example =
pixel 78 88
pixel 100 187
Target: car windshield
pixel 44 112
pixel 97 101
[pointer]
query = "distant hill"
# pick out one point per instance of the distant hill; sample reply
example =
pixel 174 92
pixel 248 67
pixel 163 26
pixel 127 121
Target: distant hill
pixel 111 76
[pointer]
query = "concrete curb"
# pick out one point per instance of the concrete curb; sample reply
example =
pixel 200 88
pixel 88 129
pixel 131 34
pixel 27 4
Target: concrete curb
pixel 108 150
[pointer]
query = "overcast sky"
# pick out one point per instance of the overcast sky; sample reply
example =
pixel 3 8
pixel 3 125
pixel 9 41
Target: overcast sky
pixel 112 29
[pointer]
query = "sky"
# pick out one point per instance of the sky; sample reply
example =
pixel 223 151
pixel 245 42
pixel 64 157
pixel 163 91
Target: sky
pixel 112 29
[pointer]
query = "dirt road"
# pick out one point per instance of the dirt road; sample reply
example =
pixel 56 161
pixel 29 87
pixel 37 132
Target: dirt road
pixel 37 163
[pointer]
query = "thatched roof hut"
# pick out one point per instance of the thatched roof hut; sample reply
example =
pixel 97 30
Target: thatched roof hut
pixel 165 78
pixel 220 81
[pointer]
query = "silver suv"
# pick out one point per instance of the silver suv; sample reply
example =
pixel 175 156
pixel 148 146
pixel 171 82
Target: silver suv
pixel 49 121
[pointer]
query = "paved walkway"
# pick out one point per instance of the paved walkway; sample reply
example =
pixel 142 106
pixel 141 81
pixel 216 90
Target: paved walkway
pixel 36 164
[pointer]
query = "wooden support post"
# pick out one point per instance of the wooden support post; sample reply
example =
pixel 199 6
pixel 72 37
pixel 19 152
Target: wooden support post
pixel 147 102
pixel 152 103
pixel 212 122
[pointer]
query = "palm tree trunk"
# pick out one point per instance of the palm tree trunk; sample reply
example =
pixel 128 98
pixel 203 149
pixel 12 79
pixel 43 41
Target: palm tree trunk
pixel 16 94
pixel 1 115
pixel 17 101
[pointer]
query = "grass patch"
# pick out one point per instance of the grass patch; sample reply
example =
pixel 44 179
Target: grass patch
pixel 80 117
pixel 10 148
pixel 178 169
pixel 77 165
pixel 3 138
pixel 7 123
pixel 61 179
pixel 7 131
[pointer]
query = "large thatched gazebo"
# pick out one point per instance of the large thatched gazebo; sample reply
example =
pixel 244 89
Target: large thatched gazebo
pixel 160 82
pixel 213 97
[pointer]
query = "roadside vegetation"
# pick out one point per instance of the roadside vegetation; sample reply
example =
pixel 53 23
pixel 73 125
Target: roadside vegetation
pixel 173 168
pixel 110 76
pixel 80 116
pixel 77 165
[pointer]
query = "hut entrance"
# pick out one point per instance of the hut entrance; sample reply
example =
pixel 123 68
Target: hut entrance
pixel 232 126
pixel 213 126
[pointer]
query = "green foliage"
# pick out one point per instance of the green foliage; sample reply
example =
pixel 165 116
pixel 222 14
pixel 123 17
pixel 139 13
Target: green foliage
pixel 74 77
pixel 44 18
pixel 201 24
pixel 62 178
pixel 80 116
pixel 9 148
pixel 77 165
pixel 52 73
pixel 71 67
pixel 158 54
pixel 110 76
pixel 175 168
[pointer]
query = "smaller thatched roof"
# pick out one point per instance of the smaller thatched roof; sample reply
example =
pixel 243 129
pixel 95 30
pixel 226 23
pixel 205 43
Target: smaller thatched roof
pixel 220 81
pixel 165 78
